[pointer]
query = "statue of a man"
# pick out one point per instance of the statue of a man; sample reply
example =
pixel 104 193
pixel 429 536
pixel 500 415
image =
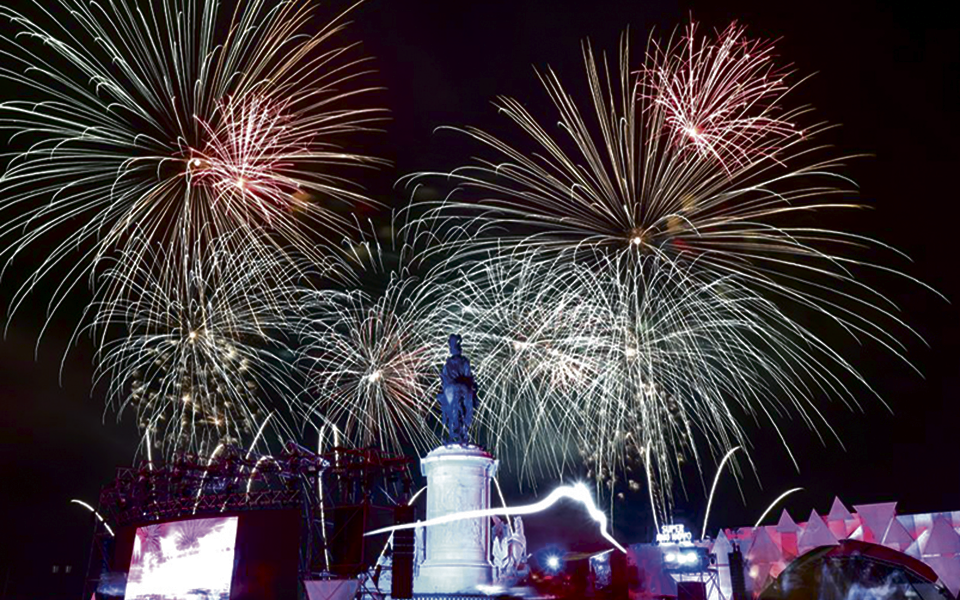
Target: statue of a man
pixel 459 396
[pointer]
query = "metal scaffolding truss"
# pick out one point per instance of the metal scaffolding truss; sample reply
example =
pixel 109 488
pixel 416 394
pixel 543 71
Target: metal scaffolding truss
pixel 234 480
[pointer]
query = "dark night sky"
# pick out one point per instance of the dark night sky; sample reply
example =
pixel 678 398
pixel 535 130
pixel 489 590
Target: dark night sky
pixel 887 74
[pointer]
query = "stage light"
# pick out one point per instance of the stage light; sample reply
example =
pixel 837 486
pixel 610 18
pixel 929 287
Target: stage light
pixel 553 562
pixel 689 559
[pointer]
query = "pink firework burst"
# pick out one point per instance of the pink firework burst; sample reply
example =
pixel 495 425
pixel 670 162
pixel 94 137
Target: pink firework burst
pixel 250 159
pixel 720 96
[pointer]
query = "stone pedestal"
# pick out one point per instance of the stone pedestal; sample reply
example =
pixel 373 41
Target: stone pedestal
pixel 457 554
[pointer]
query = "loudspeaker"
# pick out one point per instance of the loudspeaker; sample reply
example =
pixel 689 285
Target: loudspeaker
pixel 691 590
pixel 345 540
pixel 737 577
pixel 403 546
pixel 619 578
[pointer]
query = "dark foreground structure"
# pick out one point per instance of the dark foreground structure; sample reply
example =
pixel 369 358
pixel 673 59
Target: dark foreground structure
pixel 238 526
pixel 871 553
pixel 856 571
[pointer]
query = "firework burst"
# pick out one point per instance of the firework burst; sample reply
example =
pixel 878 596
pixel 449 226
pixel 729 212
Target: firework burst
pixel 525 336
pixel 589 367
pixel 205 363
pixel 373 358
pixel 722 97
pixel 172 125
pixel 658 284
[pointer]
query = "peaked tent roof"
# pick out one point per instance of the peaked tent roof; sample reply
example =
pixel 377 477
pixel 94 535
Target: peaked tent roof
pixel 722 547
pixel 948 569
pixel 897 536
pixel 762 548
pixel 816 533
pixel 838 512
pixel 876 517
pixel 943 539
pixel 787 524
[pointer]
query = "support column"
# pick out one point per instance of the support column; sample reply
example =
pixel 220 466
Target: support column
pixel 457 554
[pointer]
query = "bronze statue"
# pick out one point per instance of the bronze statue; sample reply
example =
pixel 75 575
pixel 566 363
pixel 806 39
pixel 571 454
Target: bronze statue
pixel 458 399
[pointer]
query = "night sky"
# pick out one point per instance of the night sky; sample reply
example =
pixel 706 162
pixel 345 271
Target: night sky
pixel 887 75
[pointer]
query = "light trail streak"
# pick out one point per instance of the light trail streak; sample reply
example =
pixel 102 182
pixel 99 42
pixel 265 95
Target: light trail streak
pixel 713 488
pixel 503 503
pixel 94 511
pixel 653 504
pixel 256 466
pixel 257 436
pixel 146 438
pixel 578 492
pixel 203 479
pixel 774 503
pixel 323 514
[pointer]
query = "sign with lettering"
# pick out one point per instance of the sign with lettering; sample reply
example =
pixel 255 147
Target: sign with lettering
pixel 674 534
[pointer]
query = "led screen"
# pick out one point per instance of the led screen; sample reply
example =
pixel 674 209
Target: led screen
pixel 183 560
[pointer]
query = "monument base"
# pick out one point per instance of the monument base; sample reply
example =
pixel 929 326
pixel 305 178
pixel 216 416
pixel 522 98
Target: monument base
pixel 457 561
pixel 455 578
pixel 417 596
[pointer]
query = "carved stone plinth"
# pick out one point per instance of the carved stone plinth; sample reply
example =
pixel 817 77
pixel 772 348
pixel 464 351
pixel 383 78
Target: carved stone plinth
pixel 458 553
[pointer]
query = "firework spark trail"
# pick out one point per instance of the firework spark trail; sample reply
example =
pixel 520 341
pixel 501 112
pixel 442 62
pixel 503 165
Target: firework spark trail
pixel 97 514
pixel 670 280
pixel 372 356
pixel 774 503
pixel 598 368
pixel 522 349
pixel 578 492
pixel 173 125
pixel 713 489
pixel 721 97
pixel 205 363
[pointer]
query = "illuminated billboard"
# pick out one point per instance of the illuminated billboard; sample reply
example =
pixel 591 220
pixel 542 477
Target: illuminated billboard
pixel 183 560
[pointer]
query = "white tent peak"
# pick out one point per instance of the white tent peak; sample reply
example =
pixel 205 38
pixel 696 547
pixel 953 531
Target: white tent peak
pixel 876 518
pixel 722 547
pixel 838 512
pixel 897 536
pixel 787 524
pixel 762 548
pixel 816 533
pixel 943 539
